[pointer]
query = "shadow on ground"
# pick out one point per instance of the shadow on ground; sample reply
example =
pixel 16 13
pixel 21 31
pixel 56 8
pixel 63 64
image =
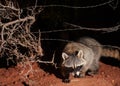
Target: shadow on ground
pixel 110 61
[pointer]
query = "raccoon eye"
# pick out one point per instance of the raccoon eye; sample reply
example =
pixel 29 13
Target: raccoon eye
pixel 79 67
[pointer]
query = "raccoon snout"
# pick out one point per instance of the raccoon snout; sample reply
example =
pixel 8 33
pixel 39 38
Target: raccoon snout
pixel 77 74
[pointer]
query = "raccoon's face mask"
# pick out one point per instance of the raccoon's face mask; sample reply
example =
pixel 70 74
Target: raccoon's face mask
pixel 75 60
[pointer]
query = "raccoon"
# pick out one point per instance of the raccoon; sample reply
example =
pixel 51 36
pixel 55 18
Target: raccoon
pixel 83 57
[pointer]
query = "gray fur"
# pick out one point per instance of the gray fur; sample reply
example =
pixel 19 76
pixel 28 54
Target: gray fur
pixel 86 53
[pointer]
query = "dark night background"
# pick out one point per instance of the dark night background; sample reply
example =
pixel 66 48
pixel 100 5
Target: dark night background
pixel 53 18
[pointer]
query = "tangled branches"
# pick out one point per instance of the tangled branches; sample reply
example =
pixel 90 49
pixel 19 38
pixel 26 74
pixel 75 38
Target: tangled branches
pixel 16 41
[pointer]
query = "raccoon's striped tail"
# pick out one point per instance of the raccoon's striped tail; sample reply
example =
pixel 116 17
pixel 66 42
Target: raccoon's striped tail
pixel 111 51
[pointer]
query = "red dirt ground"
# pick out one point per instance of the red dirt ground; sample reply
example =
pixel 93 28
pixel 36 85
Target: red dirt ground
pixel 23 76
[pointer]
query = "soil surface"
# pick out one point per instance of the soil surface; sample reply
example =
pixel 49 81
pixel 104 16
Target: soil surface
pixel 33 75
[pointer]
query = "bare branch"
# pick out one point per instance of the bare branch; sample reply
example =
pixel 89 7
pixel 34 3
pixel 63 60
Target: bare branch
pixel 16 40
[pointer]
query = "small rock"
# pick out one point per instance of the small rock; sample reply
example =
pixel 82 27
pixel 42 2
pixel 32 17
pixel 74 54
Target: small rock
pixel 103 73
pixel 113 81
pixel 107 76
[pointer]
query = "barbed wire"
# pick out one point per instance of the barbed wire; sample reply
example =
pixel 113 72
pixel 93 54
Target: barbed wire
pixel 77 7
pixel 68 41
pixel 51 39
pixel 114 4
pixel 76 27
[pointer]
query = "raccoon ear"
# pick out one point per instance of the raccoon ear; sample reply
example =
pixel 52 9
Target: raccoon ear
pixel 64 56
pixel 80 54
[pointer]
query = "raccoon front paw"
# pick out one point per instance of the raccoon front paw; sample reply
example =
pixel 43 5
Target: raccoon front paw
pixel 92 72
pixel 66 80
pixel 77 76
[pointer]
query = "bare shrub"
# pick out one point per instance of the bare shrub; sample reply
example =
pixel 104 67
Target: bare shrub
pixel 17 43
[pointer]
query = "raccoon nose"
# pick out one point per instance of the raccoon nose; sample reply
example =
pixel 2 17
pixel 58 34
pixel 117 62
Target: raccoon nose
pixel 77 76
